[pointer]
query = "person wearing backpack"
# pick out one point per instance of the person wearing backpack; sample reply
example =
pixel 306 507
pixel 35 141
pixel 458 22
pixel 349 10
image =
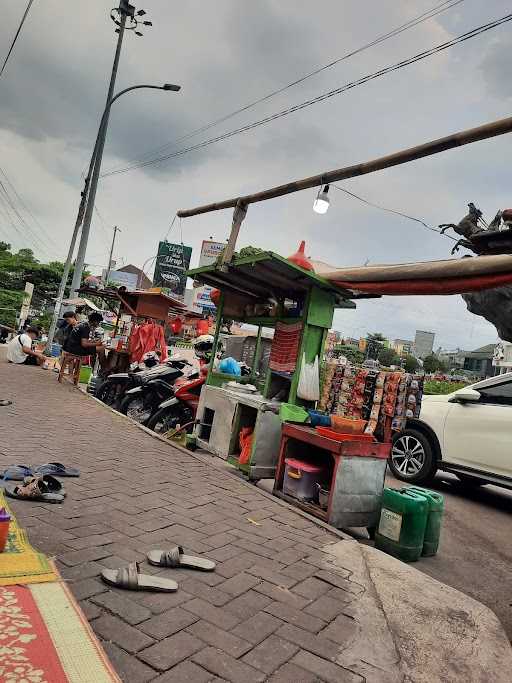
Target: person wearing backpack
pixel 19 349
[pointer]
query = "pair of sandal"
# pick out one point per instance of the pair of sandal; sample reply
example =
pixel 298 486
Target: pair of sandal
pixel 130 577
pixel 44 488
pixel 55 469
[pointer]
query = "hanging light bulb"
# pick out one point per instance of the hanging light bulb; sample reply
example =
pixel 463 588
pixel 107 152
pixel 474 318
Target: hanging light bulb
pixel 321 203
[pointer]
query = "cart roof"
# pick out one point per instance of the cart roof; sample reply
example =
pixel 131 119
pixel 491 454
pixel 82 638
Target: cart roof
pixel 266 275
pixel 175 305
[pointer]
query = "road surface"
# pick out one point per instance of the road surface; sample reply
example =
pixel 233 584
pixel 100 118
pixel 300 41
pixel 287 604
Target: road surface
pixel 476 544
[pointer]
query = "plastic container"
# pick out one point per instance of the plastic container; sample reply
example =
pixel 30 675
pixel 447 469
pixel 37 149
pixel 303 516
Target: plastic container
pixel 323 497
pixel 85 374
pixel 347 425
pixel 338 436
pixel 291 413
pixel 403 520
pixel 434 519
pixel 319 419
pixel 5 520
pixel 300 479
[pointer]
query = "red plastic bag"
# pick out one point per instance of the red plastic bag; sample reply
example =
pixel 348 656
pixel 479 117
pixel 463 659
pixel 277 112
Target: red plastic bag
pixel 245 440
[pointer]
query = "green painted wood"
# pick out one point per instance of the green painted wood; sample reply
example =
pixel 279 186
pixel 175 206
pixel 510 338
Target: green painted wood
pixel 321 308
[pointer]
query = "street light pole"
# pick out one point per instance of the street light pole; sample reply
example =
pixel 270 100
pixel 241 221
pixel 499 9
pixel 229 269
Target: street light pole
pixel 124 10
pixel 81 212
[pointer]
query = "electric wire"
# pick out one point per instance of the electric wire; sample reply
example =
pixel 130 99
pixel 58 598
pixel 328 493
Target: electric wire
pixel 320 98
pixel 35 241
pixel 26 208
pixel 425 16
pixel 11 48
pixel 398 213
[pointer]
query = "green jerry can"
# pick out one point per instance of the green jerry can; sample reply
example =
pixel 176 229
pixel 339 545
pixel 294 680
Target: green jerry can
pixel 403 519
pixel 434 519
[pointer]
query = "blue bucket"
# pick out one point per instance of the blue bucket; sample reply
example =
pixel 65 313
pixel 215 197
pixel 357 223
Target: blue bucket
pixel 319 419
pixel 55 352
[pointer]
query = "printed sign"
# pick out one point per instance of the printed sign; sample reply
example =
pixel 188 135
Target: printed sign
pixel 210 252
pixel 390 524
pixel 172 263
pixel 122 279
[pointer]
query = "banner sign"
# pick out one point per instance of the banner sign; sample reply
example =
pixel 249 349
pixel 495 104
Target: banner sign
pixel 120 278
pixel 172 262
pixel 210 252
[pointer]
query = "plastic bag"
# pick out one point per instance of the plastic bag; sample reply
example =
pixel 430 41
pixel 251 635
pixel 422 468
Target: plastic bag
pixel 245 440
pixel 309 380
pixel 229 366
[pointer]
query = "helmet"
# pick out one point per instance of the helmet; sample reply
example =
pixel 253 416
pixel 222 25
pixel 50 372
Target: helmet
pixel 150 359
pixel 203 346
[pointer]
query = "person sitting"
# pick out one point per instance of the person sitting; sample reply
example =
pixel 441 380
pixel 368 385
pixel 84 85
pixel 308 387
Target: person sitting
pixel 79 342
pixel 19 349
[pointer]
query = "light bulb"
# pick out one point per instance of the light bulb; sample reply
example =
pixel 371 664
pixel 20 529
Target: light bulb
pixel 321 203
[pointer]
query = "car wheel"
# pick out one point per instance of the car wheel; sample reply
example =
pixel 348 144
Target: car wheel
pixel 412 458
pixel 468 480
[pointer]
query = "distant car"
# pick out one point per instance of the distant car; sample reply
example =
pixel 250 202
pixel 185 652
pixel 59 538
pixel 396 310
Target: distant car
pixel 467 432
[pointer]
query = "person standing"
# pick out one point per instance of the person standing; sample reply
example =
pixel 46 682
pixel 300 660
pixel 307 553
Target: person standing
pixel 62 335
pixel 79 342
pixel 19 349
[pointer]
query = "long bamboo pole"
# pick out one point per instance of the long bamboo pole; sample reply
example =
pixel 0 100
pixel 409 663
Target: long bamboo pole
pixel 404 156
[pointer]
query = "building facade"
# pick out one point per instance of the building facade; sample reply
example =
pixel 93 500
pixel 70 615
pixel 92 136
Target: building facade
pixel 403 347
pixel 423 343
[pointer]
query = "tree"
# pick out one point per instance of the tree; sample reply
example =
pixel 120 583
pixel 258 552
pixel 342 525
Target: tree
pixel 388 357
pixel 351 353
pixel 432 363
pixel 376 337
pixel 411 364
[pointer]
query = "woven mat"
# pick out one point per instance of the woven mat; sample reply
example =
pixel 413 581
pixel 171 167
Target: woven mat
pixel 46 638
pixel 20 563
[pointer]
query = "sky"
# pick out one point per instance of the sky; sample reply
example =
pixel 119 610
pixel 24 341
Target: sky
pixel 225 55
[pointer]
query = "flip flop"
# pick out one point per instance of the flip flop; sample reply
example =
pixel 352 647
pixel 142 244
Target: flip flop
pixel 49 484
pixel 175 558
pixel 130 578
pixel 5 402
pixel 57 469
pixel 34 490
pixel 17 472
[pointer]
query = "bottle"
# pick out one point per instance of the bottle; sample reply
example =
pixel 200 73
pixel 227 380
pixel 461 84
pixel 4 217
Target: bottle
pixel 5 520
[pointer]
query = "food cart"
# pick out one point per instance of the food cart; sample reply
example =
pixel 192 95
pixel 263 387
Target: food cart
pixel 132 308
pixel 267 291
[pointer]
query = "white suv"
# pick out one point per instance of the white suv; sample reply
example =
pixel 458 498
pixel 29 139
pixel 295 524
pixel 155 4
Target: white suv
pixel 468 432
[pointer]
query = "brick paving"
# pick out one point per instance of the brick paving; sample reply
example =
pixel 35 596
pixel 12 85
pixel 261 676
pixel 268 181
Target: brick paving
pixel 276 609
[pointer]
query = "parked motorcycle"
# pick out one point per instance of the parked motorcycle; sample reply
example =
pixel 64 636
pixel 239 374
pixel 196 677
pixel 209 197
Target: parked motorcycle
pixel 140 402
pixel 112 391
pixel 180 409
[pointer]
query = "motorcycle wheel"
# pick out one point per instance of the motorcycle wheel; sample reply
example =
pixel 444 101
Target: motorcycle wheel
pixel 169 418
pixel 138 408
pixel 109 392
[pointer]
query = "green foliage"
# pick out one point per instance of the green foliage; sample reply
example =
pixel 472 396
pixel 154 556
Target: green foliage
pixel 431 388
pixel 351 353
pixel 411 364
pixel 433 364
pixel 388 357
pixel 376 336
pixel 18 268
pixel 10 304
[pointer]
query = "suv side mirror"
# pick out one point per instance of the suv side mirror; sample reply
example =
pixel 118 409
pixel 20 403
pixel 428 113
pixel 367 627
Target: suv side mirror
pixel 465 395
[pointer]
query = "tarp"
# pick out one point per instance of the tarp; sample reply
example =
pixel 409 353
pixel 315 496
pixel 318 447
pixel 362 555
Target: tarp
pixel 79 301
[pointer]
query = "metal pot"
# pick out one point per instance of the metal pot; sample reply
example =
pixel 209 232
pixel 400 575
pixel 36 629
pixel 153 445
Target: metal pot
pixel 323 497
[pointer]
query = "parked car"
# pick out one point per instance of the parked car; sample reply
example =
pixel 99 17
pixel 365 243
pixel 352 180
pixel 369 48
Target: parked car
pixel 467 432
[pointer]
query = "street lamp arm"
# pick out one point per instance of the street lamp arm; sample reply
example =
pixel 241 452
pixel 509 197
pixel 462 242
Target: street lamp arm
pixel 166 86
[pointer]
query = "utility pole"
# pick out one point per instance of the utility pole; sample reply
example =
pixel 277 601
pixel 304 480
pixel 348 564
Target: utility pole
pixel 124 10
pixel 107 273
